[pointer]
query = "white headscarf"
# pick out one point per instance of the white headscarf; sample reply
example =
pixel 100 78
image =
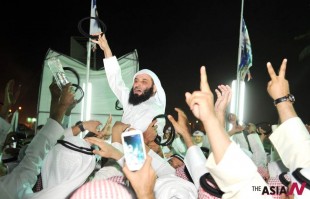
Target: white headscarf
pixel 160 94
pixel 160 98
pixel 64 170
pixel 198 133
pixel 171 186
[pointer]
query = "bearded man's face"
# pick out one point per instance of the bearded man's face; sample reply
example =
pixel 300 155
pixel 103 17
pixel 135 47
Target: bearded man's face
pixel 142 89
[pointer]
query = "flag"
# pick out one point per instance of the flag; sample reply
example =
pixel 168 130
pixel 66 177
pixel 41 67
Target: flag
pixel 94 26
pixel 246 53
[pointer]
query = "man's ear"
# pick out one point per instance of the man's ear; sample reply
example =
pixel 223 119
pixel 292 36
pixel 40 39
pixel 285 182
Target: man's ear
pixel 154 89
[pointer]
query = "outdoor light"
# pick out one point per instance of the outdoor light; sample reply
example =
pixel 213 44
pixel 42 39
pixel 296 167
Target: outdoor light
pixel 87 112
pixel 237 101
pixel 89 98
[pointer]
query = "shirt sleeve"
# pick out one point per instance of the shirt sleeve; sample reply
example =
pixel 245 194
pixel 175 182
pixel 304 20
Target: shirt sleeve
pixel 115 80
pixel 195 162
pixel 20 182
pixel 292 141
pixel 236 174
pixel 259 156
pixel 66 121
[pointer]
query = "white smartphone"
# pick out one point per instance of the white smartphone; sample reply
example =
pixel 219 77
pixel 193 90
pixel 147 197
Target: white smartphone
pixel 134 150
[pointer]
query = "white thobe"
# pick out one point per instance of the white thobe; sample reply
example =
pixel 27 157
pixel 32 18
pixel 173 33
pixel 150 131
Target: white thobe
pixel 138 116
pixel 20 181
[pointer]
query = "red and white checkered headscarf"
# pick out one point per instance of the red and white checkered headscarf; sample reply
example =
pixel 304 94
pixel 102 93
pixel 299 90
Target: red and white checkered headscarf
pixel 202 194
pixel 263 172
pixel 275 182
pixel 102 189
pixel 181 173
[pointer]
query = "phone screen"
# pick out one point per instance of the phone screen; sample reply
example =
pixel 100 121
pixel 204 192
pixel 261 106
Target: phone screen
pixel 134 150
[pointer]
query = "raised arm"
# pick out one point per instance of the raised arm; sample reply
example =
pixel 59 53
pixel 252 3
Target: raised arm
pixel 278 87
pixel 201 104
pixel 223 94
pixel 291 138
pixel 9 98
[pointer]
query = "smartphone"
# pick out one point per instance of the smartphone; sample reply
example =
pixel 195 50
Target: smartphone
pixel 134 149
pixel 58 72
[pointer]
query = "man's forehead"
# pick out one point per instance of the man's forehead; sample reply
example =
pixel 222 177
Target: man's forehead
pixel 144 76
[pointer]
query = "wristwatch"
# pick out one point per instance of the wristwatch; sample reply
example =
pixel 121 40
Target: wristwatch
pixel 81 127
pixel 288 97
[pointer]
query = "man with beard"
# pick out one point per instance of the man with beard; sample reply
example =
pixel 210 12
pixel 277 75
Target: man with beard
pixel 145 100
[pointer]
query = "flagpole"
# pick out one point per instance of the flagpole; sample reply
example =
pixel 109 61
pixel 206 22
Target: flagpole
pixel 87 79
pixel 239 59
pixel 87 68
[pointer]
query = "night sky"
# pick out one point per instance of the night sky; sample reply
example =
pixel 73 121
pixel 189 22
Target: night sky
pixel 172 38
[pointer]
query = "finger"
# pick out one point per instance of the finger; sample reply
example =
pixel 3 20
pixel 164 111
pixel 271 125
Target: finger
pixel 283 69
pixel 147 163
pixel 225 88
pixel 218 94
pixel 96 34
pixel 94 41
pixel 126 171
pixel 97 152
pixel 10 84
pixel 172 120
pixel 188 97
pixel 204 86
pixel 97 123
pixel 269 83
pixel 110 118
pixel 271 72
pixel 95 141
pixel 229 96
pixel 153 122
pixel 67 87
pixel 180 112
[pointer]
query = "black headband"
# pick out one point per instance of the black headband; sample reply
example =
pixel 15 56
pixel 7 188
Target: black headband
pixel 301 178
pixel 172 134
pixel 69 145
pixel 103 27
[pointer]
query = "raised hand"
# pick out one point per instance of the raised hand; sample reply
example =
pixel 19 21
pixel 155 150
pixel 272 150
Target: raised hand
pixel 150 133
pixel 105 149
pixel 201 102
pixel 92 126
pixel 103 44
pixel 236 128
pixel 202 105
pixel 107 129
pixel 278 86
pixel 55 91
pixel 60 106
pixel 143 180
pixel 181 126
pixel 223 94
pixel 10 97
pixel 117 130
